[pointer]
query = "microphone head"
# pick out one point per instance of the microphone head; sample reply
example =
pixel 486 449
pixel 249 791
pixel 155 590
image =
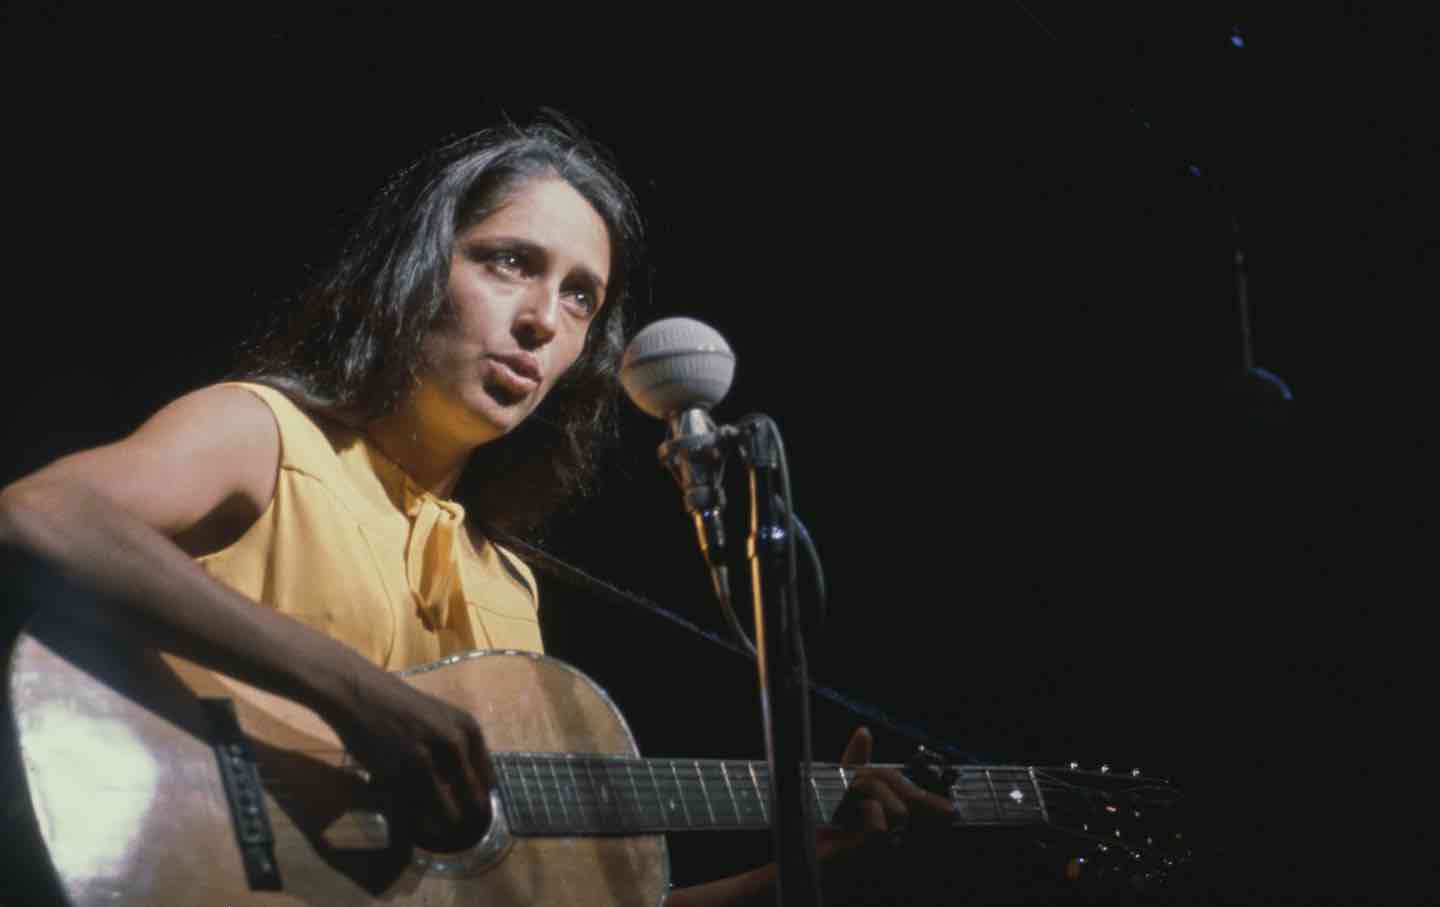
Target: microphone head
pixel 676 364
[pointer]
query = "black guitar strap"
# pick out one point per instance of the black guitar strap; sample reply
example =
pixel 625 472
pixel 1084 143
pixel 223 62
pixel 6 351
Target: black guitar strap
pixel 508 562
pixel 578 578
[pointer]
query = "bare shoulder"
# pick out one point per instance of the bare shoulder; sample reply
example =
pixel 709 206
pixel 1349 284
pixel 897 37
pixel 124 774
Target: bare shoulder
pixel 209 457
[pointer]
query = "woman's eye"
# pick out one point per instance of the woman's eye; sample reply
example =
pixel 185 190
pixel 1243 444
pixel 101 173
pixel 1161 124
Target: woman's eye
pixel 585 301
pixel 509 262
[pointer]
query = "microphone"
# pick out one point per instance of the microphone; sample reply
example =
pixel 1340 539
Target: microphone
pixel 676 369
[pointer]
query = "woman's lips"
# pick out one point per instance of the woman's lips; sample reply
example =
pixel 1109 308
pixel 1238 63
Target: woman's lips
pixel 519 375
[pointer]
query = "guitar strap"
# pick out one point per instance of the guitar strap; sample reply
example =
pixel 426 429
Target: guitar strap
pixel 578 578
pixel 508 563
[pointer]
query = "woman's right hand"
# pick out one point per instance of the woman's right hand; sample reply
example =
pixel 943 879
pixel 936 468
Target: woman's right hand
pixel 426 754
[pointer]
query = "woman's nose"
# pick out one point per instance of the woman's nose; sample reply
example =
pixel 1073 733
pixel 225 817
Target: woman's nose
pixel 538 317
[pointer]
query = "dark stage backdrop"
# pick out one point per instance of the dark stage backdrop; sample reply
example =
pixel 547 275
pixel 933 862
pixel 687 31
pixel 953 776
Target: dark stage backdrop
pixel 975 279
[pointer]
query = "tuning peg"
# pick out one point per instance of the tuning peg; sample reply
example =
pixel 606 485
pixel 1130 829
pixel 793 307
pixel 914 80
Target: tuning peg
pixel 1104 769
pixel 1074 766
pixel 1134 772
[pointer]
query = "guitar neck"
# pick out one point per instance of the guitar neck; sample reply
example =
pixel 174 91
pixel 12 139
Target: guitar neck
pixel 563 794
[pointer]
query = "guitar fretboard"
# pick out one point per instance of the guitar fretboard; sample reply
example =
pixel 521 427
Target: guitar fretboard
pixel 562 794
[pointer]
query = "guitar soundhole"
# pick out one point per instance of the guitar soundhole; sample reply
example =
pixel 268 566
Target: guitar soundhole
pixel 472 850
pixel 465 838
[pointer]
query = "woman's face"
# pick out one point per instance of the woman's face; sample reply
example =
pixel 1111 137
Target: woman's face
pixel 525 285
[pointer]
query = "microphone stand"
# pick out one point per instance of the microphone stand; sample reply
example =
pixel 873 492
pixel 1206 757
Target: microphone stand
pixel 696 456
pixel 781 673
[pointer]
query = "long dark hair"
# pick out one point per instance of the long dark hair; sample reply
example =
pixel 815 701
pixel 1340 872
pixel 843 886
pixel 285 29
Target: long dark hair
pixel 352 349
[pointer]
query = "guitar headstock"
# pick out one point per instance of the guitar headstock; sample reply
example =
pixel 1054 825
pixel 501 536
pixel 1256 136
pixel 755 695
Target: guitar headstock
pixel 1120 823
pixel 1115 825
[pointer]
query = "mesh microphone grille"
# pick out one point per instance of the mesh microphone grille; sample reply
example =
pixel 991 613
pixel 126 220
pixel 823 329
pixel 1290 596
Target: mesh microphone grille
pixel 675 364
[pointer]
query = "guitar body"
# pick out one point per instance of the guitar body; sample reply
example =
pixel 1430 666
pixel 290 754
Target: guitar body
pixel 116 759
pixel 138 778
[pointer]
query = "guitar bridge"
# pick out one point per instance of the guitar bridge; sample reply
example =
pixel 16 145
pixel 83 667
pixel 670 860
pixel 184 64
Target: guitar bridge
pixel 247 800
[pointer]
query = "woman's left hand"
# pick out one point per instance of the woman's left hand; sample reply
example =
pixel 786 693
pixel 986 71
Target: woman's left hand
pixel 879 802
pixel 879 806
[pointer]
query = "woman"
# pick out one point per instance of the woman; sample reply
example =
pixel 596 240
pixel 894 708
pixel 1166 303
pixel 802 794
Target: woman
pixel 470 333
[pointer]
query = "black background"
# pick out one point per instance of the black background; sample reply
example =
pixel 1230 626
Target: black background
pixel 966 265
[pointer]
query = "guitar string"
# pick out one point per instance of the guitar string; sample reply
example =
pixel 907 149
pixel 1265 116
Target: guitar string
pixel 655 799
pixel 718 772
pixel 750 805
pixel 652 800
pixel 657 823
pixel 689 788
pixel 742 770
pixel 640 822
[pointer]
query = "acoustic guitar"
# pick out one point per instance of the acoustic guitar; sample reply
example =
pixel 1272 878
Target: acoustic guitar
pixel 138 778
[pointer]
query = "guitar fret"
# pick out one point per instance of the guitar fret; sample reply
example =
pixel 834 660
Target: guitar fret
pixel 705 791
pixel 544 801
pixel 516 808
pixel 615 788
pixel 1039 797
pixel 729 789
pixel 759 797
pixel 820 815
pixel 665 802
pixel 559 792
pixel 643 799
pixel 661 813
pixel 974 796
pixel 610 770
pixel 994 795
pixel 734 804
pixel 639 808
pixel 575 786
pixel 538 789
pixel 836 788
pixel 680 795
pixel 525 791
pixel 599 796
pixel 653 797
pixel 615 785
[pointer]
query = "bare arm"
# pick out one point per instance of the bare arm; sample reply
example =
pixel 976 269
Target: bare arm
pixel 108 516
pixel 105 516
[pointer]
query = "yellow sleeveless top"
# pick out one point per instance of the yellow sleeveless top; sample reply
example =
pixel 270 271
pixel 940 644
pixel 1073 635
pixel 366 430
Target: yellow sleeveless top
pixel 351 546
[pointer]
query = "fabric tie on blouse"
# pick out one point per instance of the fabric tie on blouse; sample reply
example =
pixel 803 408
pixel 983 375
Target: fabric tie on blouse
pixel 432 560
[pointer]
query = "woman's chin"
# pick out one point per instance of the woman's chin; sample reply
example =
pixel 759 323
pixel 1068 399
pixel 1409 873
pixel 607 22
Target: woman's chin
pixel 497 411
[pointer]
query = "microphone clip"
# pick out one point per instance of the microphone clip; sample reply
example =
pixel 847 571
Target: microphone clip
pixel 695 454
